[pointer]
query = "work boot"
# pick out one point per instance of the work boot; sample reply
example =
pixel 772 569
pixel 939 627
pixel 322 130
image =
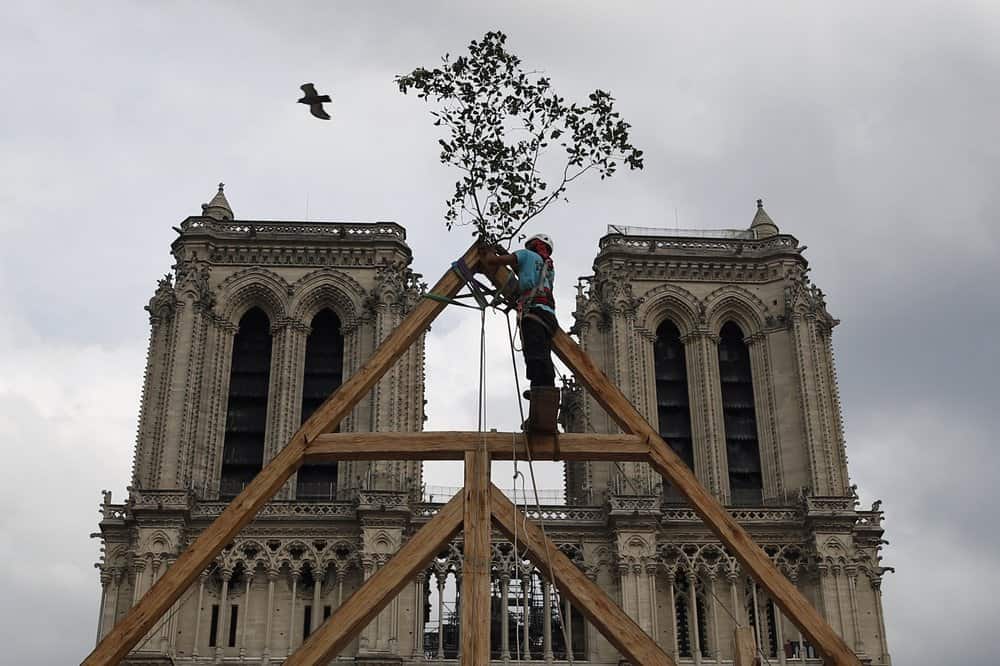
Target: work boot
pixel 544 410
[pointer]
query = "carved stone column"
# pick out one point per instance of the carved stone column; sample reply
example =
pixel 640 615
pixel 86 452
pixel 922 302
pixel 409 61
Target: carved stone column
pixel 288 350
pixel 505 617
pixel 138 574
pixel 567 618
pixel 526 606
pixel 883 643
pixel 105 586
pixel 693 625
pixel 272 576
pixel 651 568
pixel 162 310
pixel 440 590
pixel 766 414
pixel 202 577
pixel 852 581
pixel 222 637
pixel 417 653
pixel 819 400
pixel 836 570
pixel 318 577
pixel 248 575
pixel 547 622
pixel 291 610
pixel 756 614
pixel 701 350
pixel 183 398
pixel 732 576
pixel 715 617
pixel 671 581
pixel 170 626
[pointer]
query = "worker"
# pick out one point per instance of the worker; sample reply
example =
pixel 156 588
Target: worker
pixel 537 314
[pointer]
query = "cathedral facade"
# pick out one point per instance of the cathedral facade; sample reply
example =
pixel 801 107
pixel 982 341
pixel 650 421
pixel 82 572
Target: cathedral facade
pixel 718 338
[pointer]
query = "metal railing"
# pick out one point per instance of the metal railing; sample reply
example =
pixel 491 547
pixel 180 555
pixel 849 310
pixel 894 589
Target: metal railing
pixel 735 234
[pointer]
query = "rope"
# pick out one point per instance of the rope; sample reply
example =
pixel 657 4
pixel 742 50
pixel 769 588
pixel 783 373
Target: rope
pixel 538 504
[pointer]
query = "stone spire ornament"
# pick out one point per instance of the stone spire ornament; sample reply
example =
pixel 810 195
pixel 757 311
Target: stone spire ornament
pixel 762 223
pixel 218 207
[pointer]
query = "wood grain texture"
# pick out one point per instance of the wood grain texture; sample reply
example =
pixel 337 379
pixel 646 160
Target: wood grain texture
pixel 620 630
pixel 744 647
pixel 141 618
pixel 336 633
pixel 475 620
pixel 454 445
pixel 754 560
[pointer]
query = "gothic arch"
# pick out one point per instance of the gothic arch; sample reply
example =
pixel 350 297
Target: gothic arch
pixel 671 302
pixel 157 544
pixel 254 287
pixel 734 303
pixel 327 288
pixel 286 555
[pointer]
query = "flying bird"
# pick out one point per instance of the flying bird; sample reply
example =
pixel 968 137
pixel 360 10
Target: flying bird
pixel 315 101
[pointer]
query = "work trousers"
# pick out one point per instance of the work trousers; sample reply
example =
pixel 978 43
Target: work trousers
pixel 537 327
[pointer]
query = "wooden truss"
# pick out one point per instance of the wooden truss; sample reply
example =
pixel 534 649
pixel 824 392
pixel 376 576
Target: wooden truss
pixel 478 508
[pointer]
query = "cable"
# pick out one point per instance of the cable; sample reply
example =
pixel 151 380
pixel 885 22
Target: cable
pixel 534 486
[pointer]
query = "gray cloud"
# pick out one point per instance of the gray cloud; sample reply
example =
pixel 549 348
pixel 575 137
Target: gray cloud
pixel 869 129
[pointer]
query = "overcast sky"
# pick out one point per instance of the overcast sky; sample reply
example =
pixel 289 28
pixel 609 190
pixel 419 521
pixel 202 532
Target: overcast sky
pixel 869 128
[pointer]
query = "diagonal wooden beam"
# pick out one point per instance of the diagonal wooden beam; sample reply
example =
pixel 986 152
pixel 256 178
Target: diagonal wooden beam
pixel 353 615
pixel 454 446
pixel 737 540
pixel 141 617
pixel 620 630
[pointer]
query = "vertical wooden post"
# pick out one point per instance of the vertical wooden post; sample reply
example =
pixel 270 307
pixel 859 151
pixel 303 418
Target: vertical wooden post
pixel 475 627
pixel 744 648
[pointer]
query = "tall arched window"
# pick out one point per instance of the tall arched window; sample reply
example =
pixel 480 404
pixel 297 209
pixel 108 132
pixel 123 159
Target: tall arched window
pixel 743 453
pixel 246 412
pixel 672 402
pixel 323 373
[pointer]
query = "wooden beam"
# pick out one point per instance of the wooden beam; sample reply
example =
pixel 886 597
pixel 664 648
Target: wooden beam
pixel 754 560
pixel 327 642
pixel 454 446
pixel 141 617
pixel 744 647
pixel 475 622
pixel 593 602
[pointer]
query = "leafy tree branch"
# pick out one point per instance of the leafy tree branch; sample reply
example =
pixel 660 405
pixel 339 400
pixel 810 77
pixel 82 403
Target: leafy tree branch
pixel 500 121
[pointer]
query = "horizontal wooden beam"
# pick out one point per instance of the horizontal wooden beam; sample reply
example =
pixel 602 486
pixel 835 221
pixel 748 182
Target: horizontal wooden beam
pixel 620 630
pixel 454 445
pixel 336 633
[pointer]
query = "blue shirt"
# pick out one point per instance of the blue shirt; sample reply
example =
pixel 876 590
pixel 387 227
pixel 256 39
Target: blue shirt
pixel 529 271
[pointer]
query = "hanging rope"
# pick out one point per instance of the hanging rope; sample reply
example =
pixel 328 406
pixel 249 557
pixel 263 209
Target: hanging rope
pixel 534 487
pixel 490 298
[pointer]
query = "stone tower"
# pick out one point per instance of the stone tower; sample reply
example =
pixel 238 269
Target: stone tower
pixel 258 322
pixel 718 337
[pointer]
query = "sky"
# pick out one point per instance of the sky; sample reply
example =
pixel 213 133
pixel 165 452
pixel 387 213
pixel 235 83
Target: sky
pixel 869 129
